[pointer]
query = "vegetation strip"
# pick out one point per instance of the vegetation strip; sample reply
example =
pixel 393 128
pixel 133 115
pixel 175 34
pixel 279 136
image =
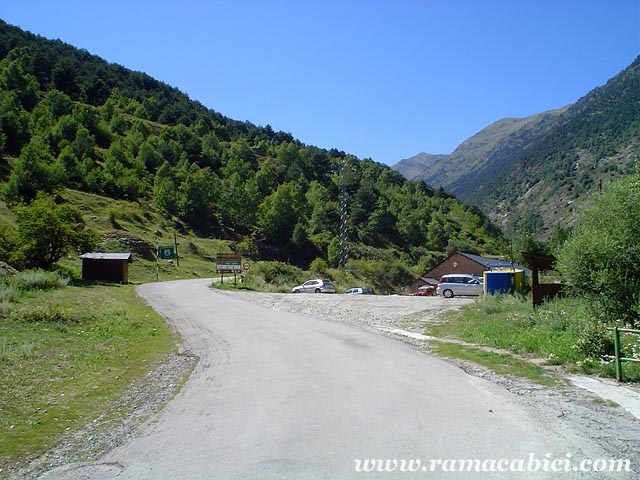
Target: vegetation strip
pixel 498 363
pixel 564 332
pixel 65 355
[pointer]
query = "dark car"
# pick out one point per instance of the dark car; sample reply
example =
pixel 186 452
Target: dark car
pixel 425 291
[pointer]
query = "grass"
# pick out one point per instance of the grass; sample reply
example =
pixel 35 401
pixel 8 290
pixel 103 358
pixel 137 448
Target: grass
pixel 565 332
pixel 499 363
pixel 106 215
pixel 65 354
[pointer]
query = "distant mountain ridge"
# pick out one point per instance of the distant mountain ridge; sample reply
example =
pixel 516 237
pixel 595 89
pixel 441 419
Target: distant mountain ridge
pixel 540 167
pixel 415 167
pixel 477 159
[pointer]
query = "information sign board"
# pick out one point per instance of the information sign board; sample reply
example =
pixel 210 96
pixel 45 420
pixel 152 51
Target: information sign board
pixel 228 263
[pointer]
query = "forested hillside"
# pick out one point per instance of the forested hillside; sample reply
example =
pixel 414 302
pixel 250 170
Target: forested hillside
pixel 70 120
pixel 596 141
pixel 538 169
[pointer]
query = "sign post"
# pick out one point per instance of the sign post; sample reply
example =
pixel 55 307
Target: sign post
pixel 228 263
pixel 175 242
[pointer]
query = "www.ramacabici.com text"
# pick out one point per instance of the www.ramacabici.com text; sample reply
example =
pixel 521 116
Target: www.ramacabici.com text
pixel 528 464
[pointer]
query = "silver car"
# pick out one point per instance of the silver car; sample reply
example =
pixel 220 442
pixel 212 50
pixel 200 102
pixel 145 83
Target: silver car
pixel 459 284
pixel 315 286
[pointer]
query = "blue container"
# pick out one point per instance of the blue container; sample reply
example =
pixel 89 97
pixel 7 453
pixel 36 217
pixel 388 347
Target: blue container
pixel 499 282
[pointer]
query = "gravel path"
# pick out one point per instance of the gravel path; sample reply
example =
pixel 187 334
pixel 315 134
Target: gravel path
pixel 406 312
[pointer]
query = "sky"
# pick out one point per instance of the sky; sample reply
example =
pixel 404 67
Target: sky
pixel 377 79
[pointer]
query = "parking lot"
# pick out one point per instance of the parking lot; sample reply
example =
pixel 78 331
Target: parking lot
pixel 392 311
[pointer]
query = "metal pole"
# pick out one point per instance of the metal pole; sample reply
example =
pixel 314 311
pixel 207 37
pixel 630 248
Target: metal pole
pixel 343 254
pixel 617 352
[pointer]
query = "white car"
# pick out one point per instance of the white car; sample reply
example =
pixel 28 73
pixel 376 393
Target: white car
pixel 359 291
pixel 315 286
pixel 459 284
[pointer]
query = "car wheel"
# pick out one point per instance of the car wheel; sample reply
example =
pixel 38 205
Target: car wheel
pixel 317 290
pixel 296 291
pixel 447 294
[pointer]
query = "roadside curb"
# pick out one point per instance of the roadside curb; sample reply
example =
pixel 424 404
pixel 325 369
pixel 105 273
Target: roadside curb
pixel 603 388
pixel 610 390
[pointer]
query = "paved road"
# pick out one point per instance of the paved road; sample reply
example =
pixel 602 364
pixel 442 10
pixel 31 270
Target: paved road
pixel 282 396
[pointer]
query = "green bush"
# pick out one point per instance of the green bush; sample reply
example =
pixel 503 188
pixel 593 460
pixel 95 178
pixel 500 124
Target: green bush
pixel 12 286
pixel 319 266
pixel 42 314
pixel 384 276
pixel 595 341
pixel 9 293
pixel 40 280
pixel 491 304
pixel 247 247
pixel 274 276
pixel 601 261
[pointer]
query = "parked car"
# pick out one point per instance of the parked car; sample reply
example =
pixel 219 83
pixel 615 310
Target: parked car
pixel 424 291
pixel 315 286
pixel 358 291
pixel 459 284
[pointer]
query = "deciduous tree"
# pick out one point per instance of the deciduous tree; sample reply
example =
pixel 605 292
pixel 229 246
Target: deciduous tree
pixel 602 258
pixel 46 231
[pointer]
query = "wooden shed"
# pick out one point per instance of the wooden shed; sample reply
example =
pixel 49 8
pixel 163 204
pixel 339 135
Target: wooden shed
pixel 542 291
pixel 108 267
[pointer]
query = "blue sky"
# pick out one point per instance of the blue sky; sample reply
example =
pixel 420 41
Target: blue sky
pixel 377 79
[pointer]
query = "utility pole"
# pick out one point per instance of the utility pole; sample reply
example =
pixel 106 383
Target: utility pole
pixel 343 217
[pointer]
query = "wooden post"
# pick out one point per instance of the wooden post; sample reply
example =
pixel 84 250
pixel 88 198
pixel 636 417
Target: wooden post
pixel 175 242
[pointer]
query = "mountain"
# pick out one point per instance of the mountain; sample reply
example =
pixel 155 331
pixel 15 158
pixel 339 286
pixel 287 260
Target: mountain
pixel 70 121
pixel 476 160
pixel 540 168
pixel 596 141
pixel 415 167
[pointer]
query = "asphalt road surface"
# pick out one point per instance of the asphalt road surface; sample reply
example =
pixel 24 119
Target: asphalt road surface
pixel 278 395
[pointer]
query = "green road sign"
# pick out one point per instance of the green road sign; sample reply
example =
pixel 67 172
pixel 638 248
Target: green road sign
pixel 167 253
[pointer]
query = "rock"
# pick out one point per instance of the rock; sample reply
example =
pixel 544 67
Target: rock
pixel 125 241
pixel 6 269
